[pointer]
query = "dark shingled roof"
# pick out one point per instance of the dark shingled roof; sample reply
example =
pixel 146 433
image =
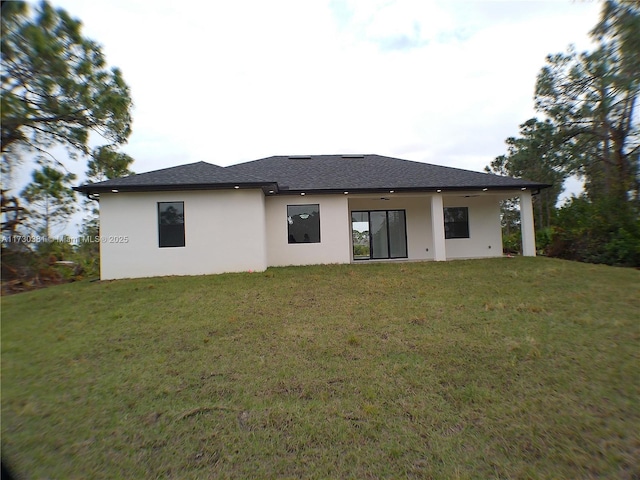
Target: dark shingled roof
pixel 319 173
pixel 193 176
pixel 369 172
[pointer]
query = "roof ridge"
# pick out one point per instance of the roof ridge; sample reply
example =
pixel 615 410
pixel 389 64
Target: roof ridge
pixel 174 167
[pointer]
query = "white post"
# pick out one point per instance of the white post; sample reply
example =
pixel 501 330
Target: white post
pixel 437 228
pixel 526 225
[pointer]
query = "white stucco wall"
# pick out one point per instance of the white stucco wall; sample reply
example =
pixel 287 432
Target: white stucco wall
pixel 484 223
pixel 241 230
pixel 485 234
pixel 335 231
pixel 224 232
pixel 417 209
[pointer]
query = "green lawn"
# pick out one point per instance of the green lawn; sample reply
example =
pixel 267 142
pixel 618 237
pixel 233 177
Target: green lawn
pixel 501 368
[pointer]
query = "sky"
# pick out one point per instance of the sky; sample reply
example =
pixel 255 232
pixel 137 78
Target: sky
pixel 443 82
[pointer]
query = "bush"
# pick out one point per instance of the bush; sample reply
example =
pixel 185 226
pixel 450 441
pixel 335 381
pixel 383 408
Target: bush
pixel 544 237
pixel 36 265
pixel 511 244
pixel 361 250
pixel 623 249
pixel 605 231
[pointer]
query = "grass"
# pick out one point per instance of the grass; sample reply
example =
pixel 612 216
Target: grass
pixel 501 368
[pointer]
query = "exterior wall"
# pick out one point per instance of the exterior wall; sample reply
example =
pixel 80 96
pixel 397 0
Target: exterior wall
pixel 419 235
pixel 485 233
pixel 335 231
pixel 240 230
pixel 224 232
pixel 484 223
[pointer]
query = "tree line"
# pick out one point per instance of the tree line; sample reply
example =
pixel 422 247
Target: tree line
pixel 588 128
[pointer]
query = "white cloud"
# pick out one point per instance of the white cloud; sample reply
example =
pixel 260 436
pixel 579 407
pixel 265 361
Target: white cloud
pixel 439 81
pixel 444 82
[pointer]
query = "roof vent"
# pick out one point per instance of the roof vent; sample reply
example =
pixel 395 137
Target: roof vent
pixel 352 156
pixel 299 157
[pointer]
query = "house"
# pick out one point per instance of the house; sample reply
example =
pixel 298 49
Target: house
pixel 299 210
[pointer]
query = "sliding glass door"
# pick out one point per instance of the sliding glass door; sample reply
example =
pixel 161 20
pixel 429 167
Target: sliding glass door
pixel 360 235
pixel 379 234
pixel 397 231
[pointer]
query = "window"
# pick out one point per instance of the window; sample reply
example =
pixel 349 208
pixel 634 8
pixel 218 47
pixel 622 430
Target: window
pixel 304 223
pixel 379 234
pixel 171 224
pixel 456 222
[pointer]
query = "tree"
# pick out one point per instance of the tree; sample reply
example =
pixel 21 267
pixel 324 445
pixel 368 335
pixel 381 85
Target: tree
pixel 55 90
pixel 535 155
pixel 50 199
pixel 620 22
pixel 13 214
pixel 55 86
pixel 106 163
pixel 591 97
pixel 591 130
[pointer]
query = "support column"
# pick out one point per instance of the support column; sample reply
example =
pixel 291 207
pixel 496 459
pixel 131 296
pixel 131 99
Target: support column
pixel 526 225
pixel 437 228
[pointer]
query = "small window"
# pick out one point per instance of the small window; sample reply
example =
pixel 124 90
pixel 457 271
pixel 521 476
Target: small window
pixel 304 223
pixel 456 222
pixel 171 224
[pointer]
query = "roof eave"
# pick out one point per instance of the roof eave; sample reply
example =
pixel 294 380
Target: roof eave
pixel 89 189
pixel 272 188
pixel 443 189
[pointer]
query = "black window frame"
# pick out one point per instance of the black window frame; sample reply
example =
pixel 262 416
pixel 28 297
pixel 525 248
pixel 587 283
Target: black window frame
pixel 171 235
pixel 295 236
pixel 454 227
pixel 371 237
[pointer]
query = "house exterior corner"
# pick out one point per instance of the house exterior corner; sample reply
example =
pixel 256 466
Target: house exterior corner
pixel 224 231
